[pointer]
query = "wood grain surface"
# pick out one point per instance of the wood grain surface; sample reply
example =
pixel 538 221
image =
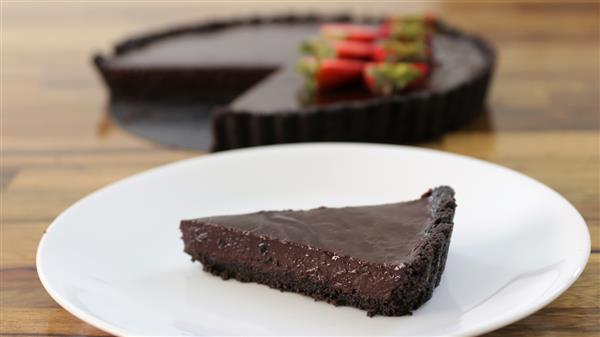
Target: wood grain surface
pixel 57 144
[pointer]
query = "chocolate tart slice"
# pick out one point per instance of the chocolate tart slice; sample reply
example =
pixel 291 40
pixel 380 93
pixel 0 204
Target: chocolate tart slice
pixel 385 259
pixel 246 67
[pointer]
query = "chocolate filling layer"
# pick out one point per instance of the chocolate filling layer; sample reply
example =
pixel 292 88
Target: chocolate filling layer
pixel 385 259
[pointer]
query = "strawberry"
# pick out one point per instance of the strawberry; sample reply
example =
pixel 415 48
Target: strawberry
pixel 401 51
pixel 326 74
pixel 339 31
pixel 424 68
pixel 343 49
pixel 387 50
pixel 392 78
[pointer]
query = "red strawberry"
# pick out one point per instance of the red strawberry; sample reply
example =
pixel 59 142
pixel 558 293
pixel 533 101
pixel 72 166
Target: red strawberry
pixel 354 50
pixel 430 19
pixel 392 78
pixel 401 51
pixel 339 31
pixel 424 68
pixel 321 48
pixel 385 51
pixel 326 74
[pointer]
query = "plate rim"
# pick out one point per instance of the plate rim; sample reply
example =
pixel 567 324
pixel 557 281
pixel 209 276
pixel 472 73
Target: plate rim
pixel 579 256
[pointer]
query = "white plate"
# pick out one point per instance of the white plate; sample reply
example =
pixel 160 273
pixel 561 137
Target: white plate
pixel 115 259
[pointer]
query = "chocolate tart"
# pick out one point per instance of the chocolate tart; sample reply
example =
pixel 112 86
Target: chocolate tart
pixel 247 66
pixel 385 259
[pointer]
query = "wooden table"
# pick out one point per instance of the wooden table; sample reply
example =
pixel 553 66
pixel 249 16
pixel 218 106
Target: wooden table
pixel 58 144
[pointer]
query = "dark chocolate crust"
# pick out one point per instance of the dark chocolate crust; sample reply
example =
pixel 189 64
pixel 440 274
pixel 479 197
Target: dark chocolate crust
pixel 398 119
pixel 380 288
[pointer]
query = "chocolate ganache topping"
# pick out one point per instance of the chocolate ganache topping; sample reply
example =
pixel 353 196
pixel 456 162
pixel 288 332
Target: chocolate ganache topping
pixel 387 232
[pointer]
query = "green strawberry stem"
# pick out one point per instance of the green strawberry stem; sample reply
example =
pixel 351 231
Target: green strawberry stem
pixel 408 30
pixel 390 78
pixel 308 67
pixel 400 50
pixel 318 48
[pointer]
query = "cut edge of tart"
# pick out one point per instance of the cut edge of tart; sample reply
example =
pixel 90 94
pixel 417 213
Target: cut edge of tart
pixel 385 259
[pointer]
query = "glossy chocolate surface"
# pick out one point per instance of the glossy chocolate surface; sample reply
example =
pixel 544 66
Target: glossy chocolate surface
pixel 274 50
pixel 380 234
pixel 253 45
